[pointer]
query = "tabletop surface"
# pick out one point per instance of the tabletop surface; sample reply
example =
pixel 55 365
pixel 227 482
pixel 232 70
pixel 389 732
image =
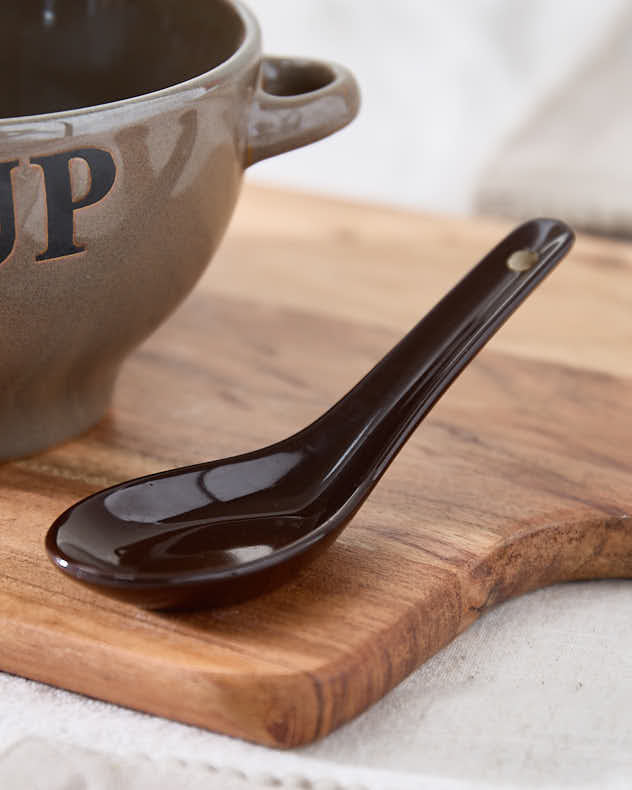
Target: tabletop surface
pixel 330 261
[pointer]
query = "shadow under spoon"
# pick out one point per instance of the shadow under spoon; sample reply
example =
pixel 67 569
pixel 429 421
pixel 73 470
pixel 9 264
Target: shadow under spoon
pixel 224 531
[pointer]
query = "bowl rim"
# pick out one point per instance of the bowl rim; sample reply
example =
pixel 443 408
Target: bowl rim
pixel 246 52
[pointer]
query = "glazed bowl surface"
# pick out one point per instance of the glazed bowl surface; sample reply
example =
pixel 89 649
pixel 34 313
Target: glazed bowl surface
pixel 124 137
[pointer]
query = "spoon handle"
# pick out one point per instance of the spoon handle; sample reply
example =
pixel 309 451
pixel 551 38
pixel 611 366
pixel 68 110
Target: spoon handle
pixel 376 417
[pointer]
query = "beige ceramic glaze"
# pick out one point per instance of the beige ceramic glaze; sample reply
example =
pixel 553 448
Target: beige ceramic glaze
pixel 123 139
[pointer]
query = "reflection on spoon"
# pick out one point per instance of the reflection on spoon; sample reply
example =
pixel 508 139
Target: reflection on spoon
pixel 224 531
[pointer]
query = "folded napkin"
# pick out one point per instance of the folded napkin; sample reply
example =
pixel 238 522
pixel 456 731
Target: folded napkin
pixel 572 157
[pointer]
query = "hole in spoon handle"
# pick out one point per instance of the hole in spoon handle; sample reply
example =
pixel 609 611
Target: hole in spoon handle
pixel 381 411
pixel 445 341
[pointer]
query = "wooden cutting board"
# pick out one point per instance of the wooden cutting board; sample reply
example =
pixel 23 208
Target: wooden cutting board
pixel 521 476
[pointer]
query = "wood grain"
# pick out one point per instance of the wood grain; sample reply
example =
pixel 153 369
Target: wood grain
pixel 386 266
pixel 519 478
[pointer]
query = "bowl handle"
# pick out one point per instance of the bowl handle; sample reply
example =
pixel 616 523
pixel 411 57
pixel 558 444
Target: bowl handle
pixel 297 102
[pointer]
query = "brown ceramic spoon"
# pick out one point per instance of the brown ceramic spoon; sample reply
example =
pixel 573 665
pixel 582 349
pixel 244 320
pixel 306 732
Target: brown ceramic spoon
pixel 224 531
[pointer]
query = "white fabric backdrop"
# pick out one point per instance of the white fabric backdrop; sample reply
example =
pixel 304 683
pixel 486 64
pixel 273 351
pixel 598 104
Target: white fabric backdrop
pixel 445 84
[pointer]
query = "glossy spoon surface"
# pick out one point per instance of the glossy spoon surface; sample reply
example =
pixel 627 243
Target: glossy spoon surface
pixel 224 531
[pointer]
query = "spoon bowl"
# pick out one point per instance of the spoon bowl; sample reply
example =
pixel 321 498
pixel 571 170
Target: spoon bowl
pixel 224 531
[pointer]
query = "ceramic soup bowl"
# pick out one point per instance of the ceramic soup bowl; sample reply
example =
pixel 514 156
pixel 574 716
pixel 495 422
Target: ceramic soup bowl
pixel 125 129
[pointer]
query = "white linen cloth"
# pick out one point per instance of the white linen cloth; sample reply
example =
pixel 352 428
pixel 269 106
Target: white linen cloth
pixel 538 692
pixel 572 157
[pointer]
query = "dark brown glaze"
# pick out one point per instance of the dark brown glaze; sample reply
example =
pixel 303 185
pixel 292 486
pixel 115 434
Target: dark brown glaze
pixel 224 531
